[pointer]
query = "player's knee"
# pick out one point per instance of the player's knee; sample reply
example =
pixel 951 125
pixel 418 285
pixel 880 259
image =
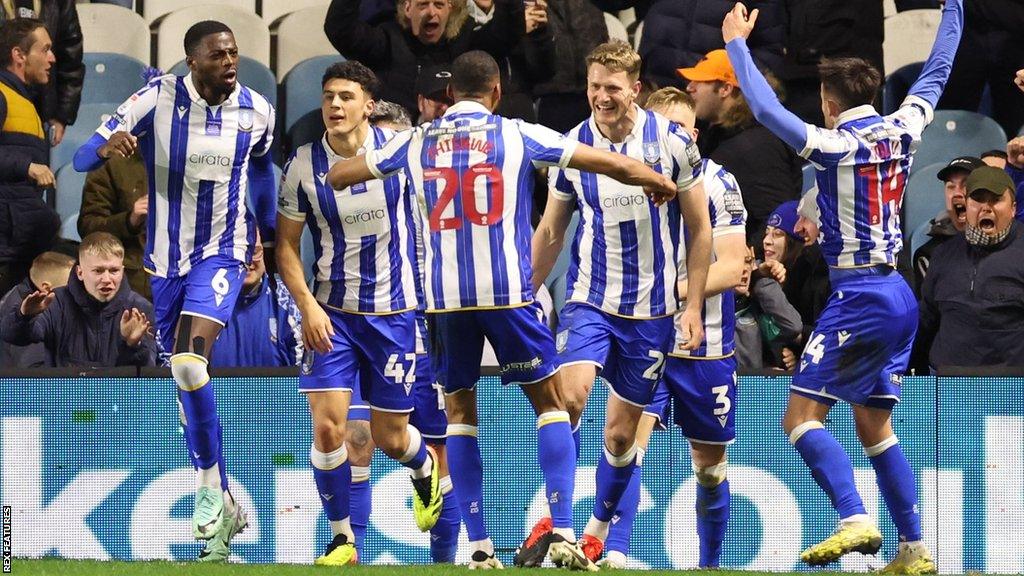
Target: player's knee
pixel 328 433
pixel 389 437
pixel 711 476
pixel 359 442
pixel 189 371
pixel 618 442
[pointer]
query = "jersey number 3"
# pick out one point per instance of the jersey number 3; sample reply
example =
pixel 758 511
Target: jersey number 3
pixel 463 186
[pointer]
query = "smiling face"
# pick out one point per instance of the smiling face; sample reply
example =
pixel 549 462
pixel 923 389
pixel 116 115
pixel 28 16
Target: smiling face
pixel 774 243
pixel 956 199
pixel 345 106
pixel 428 19
pixel 214 64
pixel 610 94
pixel 991 213
pixel 101 274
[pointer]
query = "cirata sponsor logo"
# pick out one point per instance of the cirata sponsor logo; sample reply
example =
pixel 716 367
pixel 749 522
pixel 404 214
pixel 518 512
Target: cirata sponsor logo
pixel 621 201
pixel 209 159
pixel 365 216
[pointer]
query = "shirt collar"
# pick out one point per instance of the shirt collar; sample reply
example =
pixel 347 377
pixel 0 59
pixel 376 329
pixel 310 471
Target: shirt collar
pixel 856 113
pixel 637 133
pixel 466 107
pixel 194 94
pixel 14 82
pixel 333 156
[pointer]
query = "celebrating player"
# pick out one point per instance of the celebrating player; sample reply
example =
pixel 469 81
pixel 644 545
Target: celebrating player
pixel 472 173
pixel 205 139
pixel 701 383
pixel 359 322
pixel 621 290
pixel 863 339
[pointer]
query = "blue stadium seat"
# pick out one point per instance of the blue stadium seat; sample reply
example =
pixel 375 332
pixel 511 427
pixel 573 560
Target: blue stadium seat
pixel 897 85
pixel 251 72
pixel 110 78
pixel 69 198
pixel 956 133
pixel 308 129
pixel 919 237
pixel 809 181
pixel 925 196
pixel 90 116
pixel 301 88
pixel 129 4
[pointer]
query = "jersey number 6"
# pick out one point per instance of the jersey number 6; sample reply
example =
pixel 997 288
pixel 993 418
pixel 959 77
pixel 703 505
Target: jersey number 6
pixel 464 186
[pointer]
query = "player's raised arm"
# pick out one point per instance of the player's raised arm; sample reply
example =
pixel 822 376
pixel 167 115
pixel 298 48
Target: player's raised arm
pixel 550 233
pixel 658 187
pixel 764 103
pixel 932 81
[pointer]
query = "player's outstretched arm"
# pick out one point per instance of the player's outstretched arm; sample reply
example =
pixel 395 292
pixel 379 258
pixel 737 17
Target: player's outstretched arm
pixel 764 103
pixel 932 81
pixel 658 187
pixel 349 172
pixel 694 205
pixel 316 326
pixel 549 237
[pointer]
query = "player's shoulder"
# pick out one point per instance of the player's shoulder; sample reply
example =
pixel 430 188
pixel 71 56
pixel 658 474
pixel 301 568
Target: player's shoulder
pixel 260 104
pixel 300 161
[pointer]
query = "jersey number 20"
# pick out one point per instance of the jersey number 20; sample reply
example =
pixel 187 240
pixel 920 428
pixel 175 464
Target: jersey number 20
pixel 462 186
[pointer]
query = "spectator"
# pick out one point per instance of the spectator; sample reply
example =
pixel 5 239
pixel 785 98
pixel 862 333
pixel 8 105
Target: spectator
pixel 990 53
pixel 995 158
pixel 531 62
pixel 807 284
pixel 390 115
pixel 432 96
pixel 50 270
pixel 972 300
pixel 950 223
pixel 826 29
pixel 425 32
pixel 27 225
pixel 265 328
pixel 577 27
pixel 1015 168
pixel 734 138
pixel 62 96
pixel 765 320
pixel 96 321
pixel 115 200
pixel 679 32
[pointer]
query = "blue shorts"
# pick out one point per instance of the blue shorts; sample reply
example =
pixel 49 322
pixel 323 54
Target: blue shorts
pixel 428 415
pixel 209 290
pixel 521 339
pixel 377 351
pixel 861 344
pixel 629 353
pixel 703 394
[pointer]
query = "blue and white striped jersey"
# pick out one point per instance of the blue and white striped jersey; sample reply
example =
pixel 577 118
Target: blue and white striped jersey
pixel 197 158
pixel 728 216
pixel 472 175
pixel 862 169
pixel 362 235
pixel 624 252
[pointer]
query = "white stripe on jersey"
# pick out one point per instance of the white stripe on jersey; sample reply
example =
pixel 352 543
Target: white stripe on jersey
pixel 472 175
pixel 362 235
pixel 728 216
pixel 862 169
pixel 624 252
pixel 197 158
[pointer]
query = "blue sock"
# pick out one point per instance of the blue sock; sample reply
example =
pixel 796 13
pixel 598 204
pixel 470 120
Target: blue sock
pixel 203 429
pixel 712 520
pixel 576 438
pixel 612 478
pixel 831 468
pixel 556 456
pixel 360 504
pixel 333 475
pixel 896 482
pixel 444 536
pixel 622 528
pixel 467 473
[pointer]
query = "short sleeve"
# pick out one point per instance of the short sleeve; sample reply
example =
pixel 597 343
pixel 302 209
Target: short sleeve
pixel 135 114
pixel 291 186
pixel 828 147
pixel 392 157
pixel 267 140
pixel 559 185
pixel 685 155
pixel 544 146
pixel 728 214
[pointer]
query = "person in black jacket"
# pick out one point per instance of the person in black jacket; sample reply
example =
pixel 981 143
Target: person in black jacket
pixel 950 223
pixel 424 32
pixel 96 321
pixel 27 225
pixel 61 97
pixel 50 270
pixel 972 300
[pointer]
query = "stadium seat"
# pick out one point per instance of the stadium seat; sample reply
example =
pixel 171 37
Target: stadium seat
pixel 152 10
pixel 251 32
pixel 69 196
pixel 897 85
pixel 637 35
pixel 616 30
pixel 888 8
pixel 69 228
pixel 250 72
pixel 308 129
pixel 97 21
pixel 301 88
pixel 274 9
pixel 129 4
pixel 925 196
pixel 297 40
pixel 809 175
pixel 908 38
pixel 955 133
pixel 90 116
pixel 919 237
pixel 110 77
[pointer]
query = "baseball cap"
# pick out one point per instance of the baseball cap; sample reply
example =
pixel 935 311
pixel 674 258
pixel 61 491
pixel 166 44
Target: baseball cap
pixel 989 179
pixel 961 163
pixel 714 66
pixel 784 217
pixel 432 82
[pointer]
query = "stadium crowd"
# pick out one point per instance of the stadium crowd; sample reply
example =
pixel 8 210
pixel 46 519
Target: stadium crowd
pixel 90 303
